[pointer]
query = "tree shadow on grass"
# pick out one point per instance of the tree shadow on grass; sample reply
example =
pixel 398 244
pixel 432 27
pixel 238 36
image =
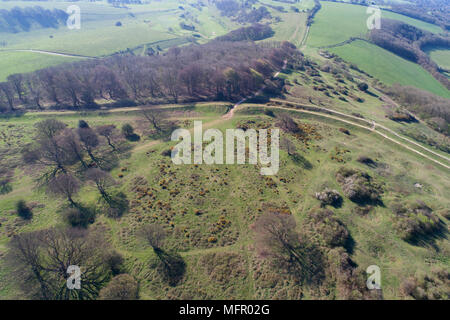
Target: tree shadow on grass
pixel 171 266
pixel 429 239
pixel 302 161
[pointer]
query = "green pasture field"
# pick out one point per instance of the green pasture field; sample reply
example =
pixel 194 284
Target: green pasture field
pixel 149 25
pixel 441 57
pixel 23 62
pixel 337 22
pixel 388 67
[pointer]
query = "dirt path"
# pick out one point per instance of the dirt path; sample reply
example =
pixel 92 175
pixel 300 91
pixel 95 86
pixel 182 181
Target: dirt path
pixel 372 128
pixel 52 53
pixel 230 113
pixel 305 37
pixel 373 124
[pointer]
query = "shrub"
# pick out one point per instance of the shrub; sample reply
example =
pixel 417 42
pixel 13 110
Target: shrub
pixel 344 131
pixel 329 197
pixel 83 124
pixel 121 287
pixel 363 86
pixel 349 281
pixel 115 262
pixel 323 223
pixel 23 210
pixel 432 286
pixel 79 216
pixel 367 161
pixel 128 132
pixel 358 186
pixel 414 220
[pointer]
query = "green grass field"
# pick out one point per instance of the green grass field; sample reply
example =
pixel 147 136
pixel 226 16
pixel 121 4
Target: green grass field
pixel 235 194
pixel 441 57
pixel 23 62
pixel 388 67
pixel 142 25
pixel 337 22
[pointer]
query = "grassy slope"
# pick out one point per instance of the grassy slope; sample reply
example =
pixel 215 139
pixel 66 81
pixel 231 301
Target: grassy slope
pixel 441 57
pixel 376 242
pixel 99 36
pixel 388 67
pixel 22 62
pixel 337 22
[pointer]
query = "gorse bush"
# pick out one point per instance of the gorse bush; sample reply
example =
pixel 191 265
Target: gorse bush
pixel 358 186
pixel 23 210
pixel 329 197
pixel 415 220
pixel 324 223
pixel 121 287
pixel 431 286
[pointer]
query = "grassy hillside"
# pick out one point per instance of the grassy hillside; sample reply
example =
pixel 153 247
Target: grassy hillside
pixel 20 62
pixel 388 67
pixel 150 24
pixel 441 57
pixel 208 210
pixel 337 22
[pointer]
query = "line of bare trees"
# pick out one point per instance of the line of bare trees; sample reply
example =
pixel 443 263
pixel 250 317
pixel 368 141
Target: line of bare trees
pixel 68 157
pixel 219 70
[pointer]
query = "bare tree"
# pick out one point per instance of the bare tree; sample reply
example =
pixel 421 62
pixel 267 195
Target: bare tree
pixel 35 90
pixel 288 124
pixel 89 141
pixel 65 185
pixel 109 133
pixel 172 265
pixel 277 239
pixel 49 128
pixel 154 234
pixel 8 92
pixel 70 143
pixel 17 82
pixel 41 261
pixel 155 117
pixel 103 181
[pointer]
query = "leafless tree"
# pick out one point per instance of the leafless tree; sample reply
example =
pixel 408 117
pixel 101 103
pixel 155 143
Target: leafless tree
pixel 8 93
pixel 109 133
pixel 89 141
pixel 103 180
pixel 277 239
pixel 288 124
pixel 156 118
pixel 49 128
pixel 17 82
pixel 154 234
pixel 40 262
pixel 70 143
pixel 65 185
